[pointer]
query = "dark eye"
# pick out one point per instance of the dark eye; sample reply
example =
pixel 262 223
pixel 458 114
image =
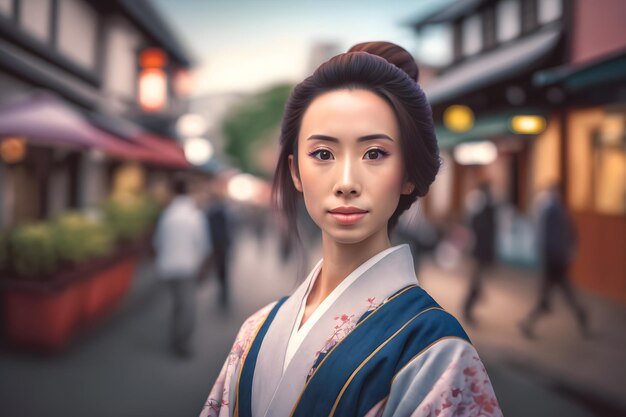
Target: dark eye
pixel 322 154
pixel 375 154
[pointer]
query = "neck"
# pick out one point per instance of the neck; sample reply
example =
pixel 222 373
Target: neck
pixel 340 259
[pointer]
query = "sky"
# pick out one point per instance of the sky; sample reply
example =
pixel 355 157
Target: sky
pixel 248 45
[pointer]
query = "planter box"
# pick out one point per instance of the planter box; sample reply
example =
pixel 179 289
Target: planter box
pixel 47 315
pixel 40 320
pixel 106 288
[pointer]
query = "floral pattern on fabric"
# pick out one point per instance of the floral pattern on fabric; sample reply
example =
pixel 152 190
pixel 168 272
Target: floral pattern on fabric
pixel 344 324
pixel 463 390
pixel 217 404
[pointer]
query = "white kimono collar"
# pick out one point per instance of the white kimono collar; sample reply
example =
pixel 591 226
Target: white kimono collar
pixel 275 392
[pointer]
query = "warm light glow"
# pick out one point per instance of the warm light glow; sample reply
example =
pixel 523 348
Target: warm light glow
pixel 198 151
pixel 242 187
pixel 458 118
pixel 12 150
pixel 152 89
pixel 191 125
pixel 152 58
pixel 475 153
pixel 183 83
pixel 528 125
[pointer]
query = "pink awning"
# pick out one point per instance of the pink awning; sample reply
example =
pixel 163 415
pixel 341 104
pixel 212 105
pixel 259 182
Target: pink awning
pixel 43 119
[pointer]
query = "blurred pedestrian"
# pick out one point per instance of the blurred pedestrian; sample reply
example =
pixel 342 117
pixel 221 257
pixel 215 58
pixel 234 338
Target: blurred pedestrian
pixel 181 245
pixel 557 246
pixel 220 231
pixel 482 222
pixel 415 230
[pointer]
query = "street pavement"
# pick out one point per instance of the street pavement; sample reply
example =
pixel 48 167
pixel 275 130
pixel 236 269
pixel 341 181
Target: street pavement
pixel 123 367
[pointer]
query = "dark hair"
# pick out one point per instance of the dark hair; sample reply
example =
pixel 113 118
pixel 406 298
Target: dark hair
pixel 179 186
pixel 388 71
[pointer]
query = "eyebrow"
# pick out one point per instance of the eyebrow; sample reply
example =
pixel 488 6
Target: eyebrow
pixel 361 139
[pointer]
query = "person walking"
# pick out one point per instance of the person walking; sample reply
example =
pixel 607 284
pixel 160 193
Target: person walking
pixel 221 238
pixel 557 246
pixel 181 244
pixel 483 226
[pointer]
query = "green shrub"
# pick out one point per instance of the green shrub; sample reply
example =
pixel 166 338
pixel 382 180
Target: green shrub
pixel 33 249
pixel 131 219
pixel 80 239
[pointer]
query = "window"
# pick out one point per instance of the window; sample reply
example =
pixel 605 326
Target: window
pixel 34 18
pixel 597 160
pixel 120 63
pixel 508 20
pixel 549 10
pixel 77 32
pixel 472 35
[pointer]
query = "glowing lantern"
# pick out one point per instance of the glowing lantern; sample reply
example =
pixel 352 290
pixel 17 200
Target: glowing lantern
pixel 152 80
pixel 152 58
pixel 13 150
pixel 458 118
pixel 152 89
pixel 528 125
pixel 183 83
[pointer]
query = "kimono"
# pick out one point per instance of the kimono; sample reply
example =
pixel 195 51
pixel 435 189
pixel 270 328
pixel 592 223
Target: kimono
pixel 378 345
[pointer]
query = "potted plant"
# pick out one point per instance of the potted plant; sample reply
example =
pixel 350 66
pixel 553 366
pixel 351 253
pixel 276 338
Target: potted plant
pixel 64 274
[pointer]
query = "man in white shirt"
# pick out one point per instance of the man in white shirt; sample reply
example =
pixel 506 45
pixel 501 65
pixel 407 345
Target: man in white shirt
pixel 181 243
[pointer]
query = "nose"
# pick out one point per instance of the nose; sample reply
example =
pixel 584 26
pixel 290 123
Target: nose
pixel 348 183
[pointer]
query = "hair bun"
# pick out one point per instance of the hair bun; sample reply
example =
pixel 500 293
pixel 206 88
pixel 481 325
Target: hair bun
pixel 393 53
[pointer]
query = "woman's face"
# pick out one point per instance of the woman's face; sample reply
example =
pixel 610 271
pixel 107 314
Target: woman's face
pixel 350 166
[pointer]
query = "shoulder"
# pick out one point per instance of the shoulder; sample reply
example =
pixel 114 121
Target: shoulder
pixel 428 316
pixel 446 378
pixel 248 330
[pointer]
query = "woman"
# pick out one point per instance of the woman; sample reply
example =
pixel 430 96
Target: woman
pixel 359 337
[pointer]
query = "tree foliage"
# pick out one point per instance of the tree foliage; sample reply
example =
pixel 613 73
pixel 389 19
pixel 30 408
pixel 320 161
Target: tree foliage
pixel 251 122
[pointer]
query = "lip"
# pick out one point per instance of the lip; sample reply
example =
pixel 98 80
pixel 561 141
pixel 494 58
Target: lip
pixel 347 215
pixel 347 210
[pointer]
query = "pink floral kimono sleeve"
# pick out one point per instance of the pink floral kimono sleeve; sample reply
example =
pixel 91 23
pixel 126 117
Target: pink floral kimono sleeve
pixel 446 380
pixel 218 404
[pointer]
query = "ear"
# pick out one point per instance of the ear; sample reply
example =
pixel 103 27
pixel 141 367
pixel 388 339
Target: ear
pixel 295 177
pixel 407 187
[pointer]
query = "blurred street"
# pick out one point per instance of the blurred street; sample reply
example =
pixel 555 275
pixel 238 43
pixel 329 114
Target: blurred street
pixel 124 368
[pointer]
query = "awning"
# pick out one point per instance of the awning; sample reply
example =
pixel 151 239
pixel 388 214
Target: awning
pixel 168 150
pixel 575 78
pixel 484 128
pixel 448 12
pixel 492 67
pixel 43 119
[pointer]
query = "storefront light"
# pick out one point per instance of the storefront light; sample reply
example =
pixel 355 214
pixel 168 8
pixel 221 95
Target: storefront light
pixel 190 125
pixel 242 187
pixel 198 151
pixel 528 124
pixel 475 153
pixel 12 150
pixel 458 118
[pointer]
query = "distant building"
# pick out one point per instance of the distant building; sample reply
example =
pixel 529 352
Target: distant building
pixel 534 93
pixel 320 53
pixel 214 108
pixel 89 91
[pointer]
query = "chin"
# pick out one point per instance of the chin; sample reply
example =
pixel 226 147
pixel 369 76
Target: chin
pixel 349 236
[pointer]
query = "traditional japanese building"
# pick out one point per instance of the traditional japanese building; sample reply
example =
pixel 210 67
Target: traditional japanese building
pixel 89 91
pixel 529 93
